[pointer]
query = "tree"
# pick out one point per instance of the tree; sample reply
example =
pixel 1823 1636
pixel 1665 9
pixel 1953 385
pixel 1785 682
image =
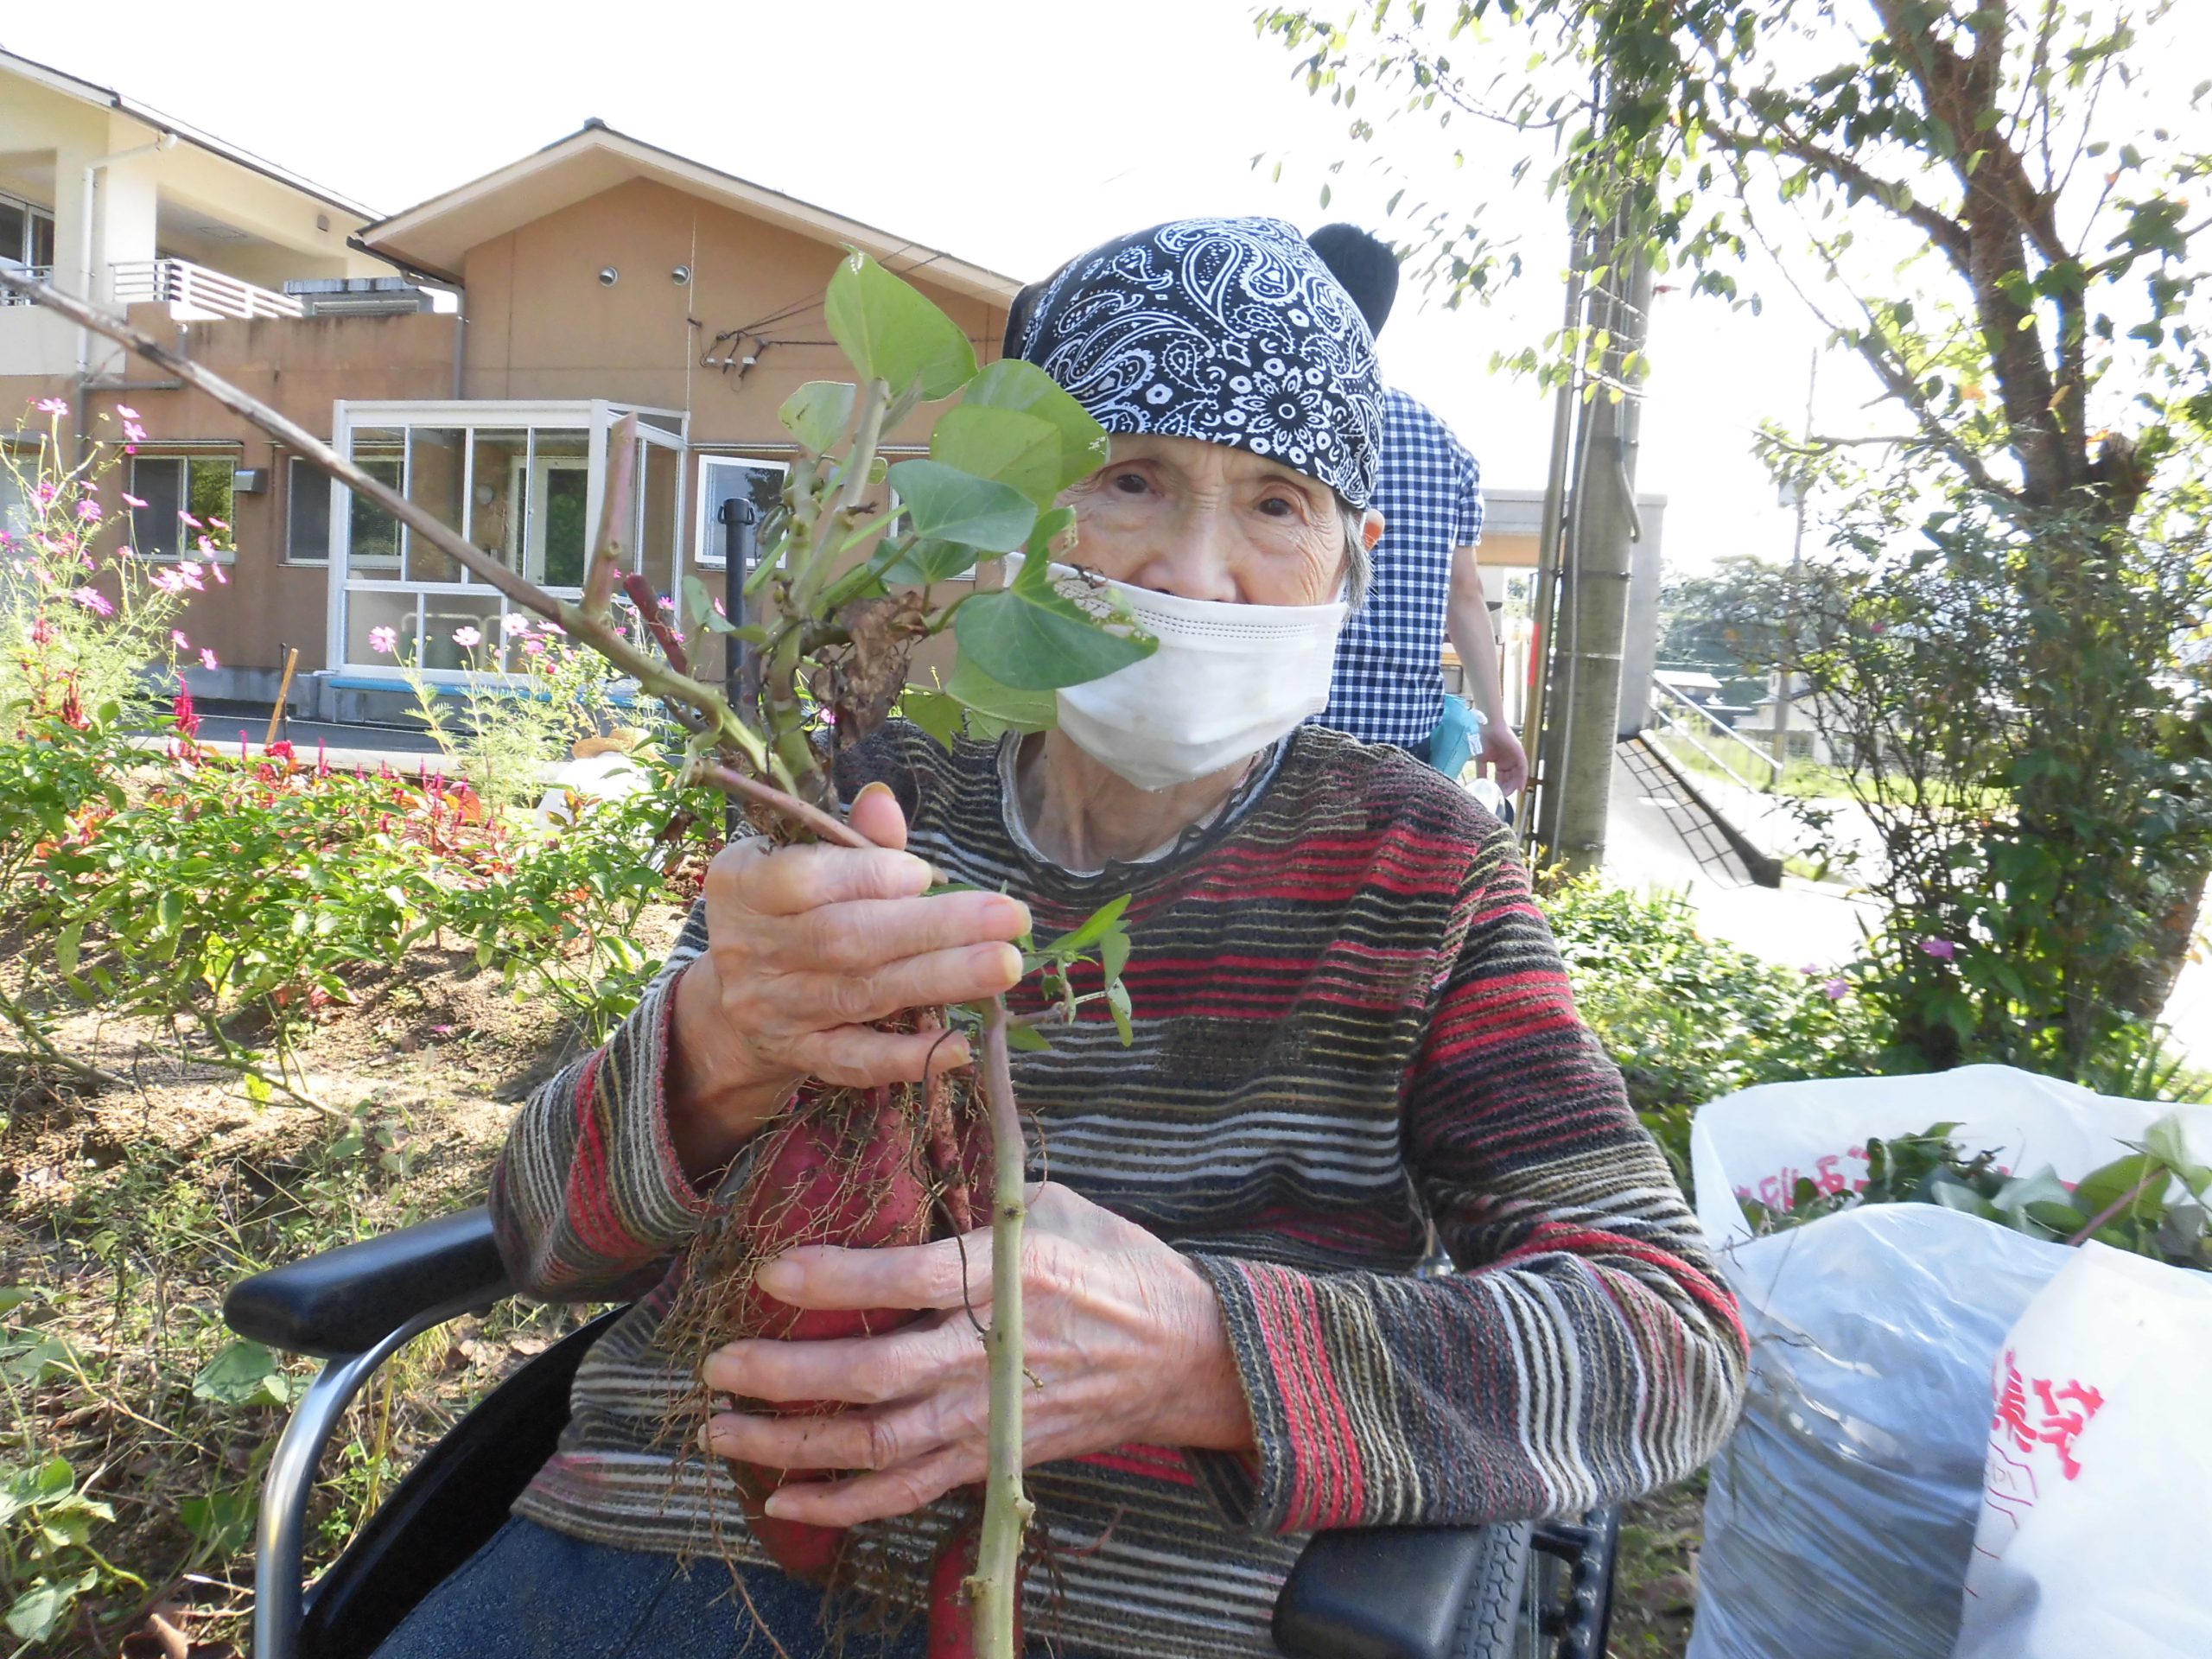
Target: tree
pixel 1726 621
pixel 1957 190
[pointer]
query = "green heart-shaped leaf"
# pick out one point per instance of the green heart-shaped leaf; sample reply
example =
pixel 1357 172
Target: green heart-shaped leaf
pixel 1032 638
pixel 1018 450
pixel 892 333
pixel 818 413
pixel 1023 388
pixel 927 561
pixel 947 505
pixel 993 707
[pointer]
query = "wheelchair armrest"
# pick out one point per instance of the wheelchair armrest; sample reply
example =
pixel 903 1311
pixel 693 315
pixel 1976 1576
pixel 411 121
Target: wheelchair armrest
pixel 346 1300
pixel 1386 1593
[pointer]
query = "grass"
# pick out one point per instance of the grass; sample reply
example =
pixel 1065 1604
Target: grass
pixel 129 1213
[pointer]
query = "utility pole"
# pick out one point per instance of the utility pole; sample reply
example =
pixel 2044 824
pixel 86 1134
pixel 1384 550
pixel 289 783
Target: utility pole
pixel 1785 674
pixel 1583 723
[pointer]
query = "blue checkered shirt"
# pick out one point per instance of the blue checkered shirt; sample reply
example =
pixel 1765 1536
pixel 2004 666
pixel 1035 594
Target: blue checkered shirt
pixel 1389 686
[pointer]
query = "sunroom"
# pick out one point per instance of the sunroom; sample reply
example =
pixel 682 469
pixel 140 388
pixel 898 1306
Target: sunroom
pixel 523 482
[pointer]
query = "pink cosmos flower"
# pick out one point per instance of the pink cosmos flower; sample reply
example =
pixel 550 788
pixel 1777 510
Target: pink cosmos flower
pixel 219 524
pixel 208 659
pixel 93 601
pixel 1837 990
pixel 51 406
pixel 215 569
pixel 1941 949
pixel 135 433
pixel 130 500
pixel 205 543
pixel 126 411
pixel 533 647
pixel 384 639
pixel 189 574
pixel 168 582
pixel 177 639
pixel 89 512
pixel 467 638
pixel 514 623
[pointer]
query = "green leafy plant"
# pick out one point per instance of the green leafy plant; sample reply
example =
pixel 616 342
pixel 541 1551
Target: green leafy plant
pixel 1688 1018
pixel 843 593
pixel 2005 632
pixel 45 1552
pixel 2152 1202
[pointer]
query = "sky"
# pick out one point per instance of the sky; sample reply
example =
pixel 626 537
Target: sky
pixel 1012 133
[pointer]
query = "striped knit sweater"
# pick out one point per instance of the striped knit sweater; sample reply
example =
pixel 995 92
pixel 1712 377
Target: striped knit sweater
pixel 1353 1034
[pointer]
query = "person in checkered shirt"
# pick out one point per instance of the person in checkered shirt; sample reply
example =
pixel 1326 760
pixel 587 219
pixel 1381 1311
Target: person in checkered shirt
pixel 1389 686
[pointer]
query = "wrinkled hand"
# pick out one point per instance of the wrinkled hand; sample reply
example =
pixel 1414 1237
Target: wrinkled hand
pixel 1124 1343
pixel 806 947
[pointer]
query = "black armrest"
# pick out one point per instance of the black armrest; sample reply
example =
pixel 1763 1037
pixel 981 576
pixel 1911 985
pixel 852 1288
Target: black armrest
pixel 1395 1593
pixel 347 1300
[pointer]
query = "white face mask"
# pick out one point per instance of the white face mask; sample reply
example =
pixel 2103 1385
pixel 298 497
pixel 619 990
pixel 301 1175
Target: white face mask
pixel 1226 681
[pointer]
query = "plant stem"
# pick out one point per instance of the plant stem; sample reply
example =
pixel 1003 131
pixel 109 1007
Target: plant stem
pixel 834 830
pixel 2122 1204
pixel 995 1592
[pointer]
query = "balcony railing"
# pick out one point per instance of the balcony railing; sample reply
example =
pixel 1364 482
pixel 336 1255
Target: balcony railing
pixel 196 294
pixel 36 273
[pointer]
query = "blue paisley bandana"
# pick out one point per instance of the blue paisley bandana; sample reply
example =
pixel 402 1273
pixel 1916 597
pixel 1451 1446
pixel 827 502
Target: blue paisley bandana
pixel 1231 330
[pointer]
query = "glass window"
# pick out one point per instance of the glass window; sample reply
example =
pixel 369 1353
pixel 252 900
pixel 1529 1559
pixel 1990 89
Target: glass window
pixel 373 534
pixel 26 233
pixel 435 463
pixel 368 613
pixel 462 632
pixel 557 531
pixel 663 474
pixel 172 487
pixel 307 514
pixel 725 477
pixel 498 494
pixel 18 476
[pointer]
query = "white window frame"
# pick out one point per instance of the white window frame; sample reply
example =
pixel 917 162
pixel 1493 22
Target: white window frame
pixel 595 418
pixel 707 534
pixel 32 214
pixel 186 553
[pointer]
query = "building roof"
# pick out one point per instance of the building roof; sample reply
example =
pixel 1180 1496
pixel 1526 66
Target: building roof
pixel 88 91
pixel 433 236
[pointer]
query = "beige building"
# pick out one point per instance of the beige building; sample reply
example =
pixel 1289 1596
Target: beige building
pixel 477 351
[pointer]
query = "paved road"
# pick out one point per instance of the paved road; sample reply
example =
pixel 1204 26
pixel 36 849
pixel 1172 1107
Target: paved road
pixel 1803 923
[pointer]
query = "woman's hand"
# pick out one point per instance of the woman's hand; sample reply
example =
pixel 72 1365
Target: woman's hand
pixel 806 947
pixel 1124 1343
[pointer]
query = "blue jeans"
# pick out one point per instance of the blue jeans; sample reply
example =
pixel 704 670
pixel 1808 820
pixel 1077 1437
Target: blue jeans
pixel 532 1592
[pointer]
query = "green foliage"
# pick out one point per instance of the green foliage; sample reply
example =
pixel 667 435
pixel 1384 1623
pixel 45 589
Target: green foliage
pixel 1688 1020
pixel 505 735
pixel 2011 717
pixel 82 620
pixel 843 593
pixel 2006 633
pixel 46 1523
pixel 2152 1202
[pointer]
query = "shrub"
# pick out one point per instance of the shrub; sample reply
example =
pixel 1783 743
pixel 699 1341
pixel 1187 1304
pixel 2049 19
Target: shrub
pixel 1687 1019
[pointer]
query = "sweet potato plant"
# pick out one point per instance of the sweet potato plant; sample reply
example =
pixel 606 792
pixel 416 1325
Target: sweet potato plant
pixel 844 590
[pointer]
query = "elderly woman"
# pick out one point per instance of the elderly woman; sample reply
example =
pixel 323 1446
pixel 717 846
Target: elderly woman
pixel 1354 1039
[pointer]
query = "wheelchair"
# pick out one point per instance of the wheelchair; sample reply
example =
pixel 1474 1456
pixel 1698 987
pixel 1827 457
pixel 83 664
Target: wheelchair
pixel 1502 1591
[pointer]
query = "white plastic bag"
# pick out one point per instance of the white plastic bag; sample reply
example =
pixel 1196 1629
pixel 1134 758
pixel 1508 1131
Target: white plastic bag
pixel 1840 1516
pixel 2097 1493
